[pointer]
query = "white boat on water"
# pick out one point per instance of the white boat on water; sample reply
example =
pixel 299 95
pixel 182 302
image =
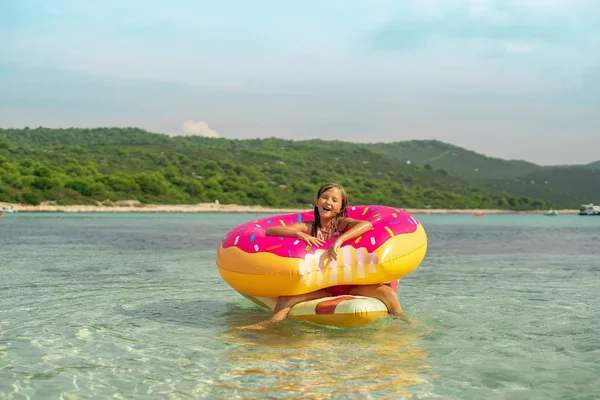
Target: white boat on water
pixel 589 209
pixel 551 212
pixel 9 209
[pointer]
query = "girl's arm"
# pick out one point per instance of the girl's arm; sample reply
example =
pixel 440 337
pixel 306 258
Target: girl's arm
pixel 352 228
pixel 298 230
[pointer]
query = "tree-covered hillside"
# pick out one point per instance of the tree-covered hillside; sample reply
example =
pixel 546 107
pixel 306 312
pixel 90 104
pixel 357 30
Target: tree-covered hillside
pixel 82 166
pixel 46 137
pixel 595 165
pixel 459 162
pixel 570 186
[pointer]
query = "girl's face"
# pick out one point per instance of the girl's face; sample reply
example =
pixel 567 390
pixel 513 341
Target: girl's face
pixel 329 203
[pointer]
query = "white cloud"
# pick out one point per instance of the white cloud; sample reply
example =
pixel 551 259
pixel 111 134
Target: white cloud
pixel 197 128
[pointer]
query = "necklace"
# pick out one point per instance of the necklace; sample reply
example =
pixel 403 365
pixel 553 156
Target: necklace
pixel 327 233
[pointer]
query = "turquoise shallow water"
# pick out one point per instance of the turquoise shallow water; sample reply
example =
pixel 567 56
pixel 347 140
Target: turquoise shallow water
pixel 131 306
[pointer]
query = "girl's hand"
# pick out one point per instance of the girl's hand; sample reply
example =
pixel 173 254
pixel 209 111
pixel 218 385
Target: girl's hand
pixel 311 240
pixel 333 250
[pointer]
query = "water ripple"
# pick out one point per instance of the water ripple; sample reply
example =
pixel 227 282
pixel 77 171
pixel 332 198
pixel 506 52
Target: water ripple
pixel 114 306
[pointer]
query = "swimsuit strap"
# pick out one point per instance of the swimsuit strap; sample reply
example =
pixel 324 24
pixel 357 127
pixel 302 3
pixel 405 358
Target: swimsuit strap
pixel 320 235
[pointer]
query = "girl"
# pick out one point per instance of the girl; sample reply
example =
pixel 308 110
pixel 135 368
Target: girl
pixel 331 222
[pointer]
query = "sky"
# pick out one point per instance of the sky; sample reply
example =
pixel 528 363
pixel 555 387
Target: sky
pixel 514 79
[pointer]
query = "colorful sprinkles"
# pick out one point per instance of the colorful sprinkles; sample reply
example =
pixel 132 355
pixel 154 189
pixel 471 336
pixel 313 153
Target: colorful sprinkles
pixel 387 223
pixel 387 228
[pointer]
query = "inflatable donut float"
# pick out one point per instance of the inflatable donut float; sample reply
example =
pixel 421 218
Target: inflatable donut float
pixel 344 311
pixel 270 266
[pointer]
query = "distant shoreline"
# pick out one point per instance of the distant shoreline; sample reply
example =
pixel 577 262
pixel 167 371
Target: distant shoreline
pixel 229 208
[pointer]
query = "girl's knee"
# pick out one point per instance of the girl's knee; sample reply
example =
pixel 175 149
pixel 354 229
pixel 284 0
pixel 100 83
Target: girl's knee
pixel 286 301
pixel 387 290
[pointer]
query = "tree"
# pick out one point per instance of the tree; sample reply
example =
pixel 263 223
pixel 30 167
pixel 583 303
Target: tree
pixel 153 183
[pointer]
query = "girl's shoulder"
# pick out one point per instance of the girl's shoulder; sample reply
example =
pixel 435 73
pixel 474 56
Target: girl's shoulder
pixel 309 225
pixel 305 226
pixel 342 223
pixel 345 223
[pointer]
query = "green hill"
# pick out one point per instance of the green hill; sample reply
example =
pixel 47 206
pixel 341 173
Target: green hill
pixel 595 165
pixel 46 137
pixel 81 166
pixel 457 161
pixel 569 186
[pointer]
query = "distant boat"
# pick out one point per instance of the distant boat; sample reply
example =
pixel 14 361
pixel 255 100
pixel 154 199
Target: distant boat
pixel 589 209
pixel 551 212
pixel 10 209
pixel 478 214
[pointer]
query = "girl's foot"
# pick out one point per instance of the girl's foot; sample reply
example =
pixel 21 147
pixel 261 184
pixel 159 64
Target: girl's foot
pixel 261 326
pixel 401 316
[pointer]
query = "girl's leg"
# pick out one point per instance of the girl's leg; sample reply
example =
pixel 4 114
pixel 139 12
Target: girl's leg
pixel 381 292
pixel 285 303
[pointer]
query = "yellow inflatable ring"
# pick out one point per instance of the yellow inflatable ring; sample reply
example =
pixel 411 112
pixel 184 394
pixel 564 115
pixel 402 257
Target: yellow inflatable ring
pixel 269 266
pixel 346 311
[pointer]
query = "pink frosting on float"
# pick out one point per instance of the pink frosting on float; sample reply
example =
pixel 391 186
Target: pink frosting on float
pixel 387 222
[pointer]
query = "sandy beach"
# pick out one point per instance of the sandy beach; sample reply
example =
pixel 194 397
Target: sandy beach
pixel 136 207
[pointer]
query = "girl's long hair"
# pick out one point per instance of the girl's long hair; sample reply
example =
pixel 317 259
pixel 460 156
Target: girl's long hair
pixel 343 209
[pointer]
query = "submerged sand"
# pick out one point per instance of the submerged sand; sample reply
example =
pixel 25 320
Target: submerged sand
pixel 136 207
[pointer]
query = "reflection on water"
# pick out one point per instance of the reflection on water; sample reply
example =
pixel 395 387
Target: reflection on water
pixel 294 359
pixel 306 361
pixel 133 307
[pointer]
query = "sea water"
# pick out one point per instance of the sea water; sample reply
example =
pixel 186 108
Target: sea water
pixel 131 306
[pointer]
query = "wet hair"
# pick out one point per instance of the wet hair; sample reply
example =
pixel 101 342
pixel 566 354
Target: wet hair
pixel 343 209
